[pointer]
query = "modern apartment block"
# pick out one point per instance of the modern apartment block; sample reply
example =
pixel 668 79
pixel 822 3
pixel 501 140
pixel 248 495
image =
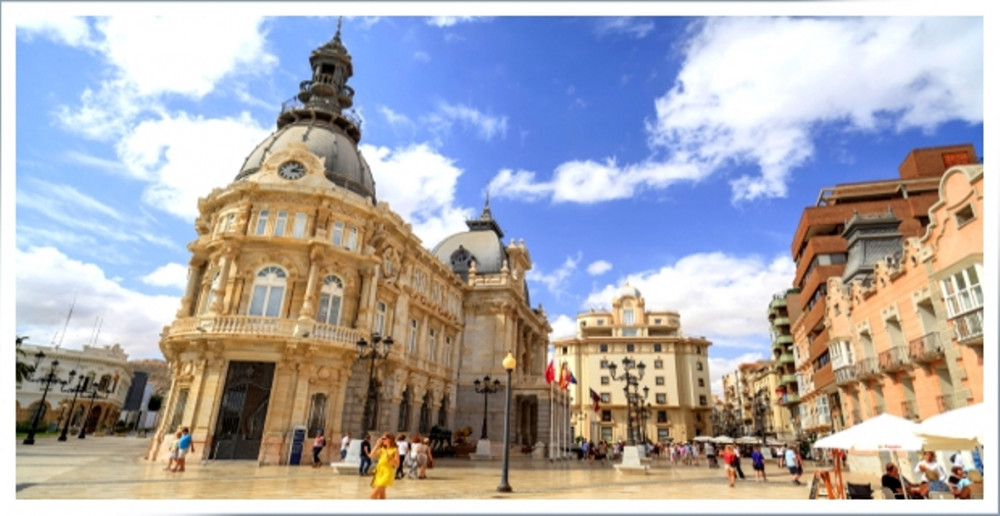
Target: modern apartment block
pixel 873 219
pixel 674 368
pixel 783 309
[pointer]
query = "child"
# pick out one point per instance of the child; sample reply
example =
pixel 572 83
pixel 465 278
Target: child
pixel 173 453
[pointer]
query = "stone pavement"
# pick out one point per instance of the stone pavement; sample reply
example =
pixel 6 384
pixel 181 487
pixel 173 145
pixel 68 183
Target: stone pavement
pixel 111 468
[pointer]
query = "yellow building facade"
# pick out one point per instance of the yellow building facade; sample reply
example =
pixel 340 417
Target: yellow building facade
pixel 674 388
pixel 297 261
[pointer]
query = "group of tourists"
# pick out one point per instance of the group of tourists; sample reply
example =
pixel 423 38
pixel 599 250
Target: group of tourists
pixel 934 478
pixel 599 451
pixel 395 459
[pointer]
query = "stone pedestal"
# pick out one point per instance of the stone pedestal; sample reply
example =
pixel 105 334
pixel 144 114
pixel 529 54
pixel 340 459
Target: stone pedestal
pixel 484 451
pixel 538 452
pixel 351 463
pixel 631 463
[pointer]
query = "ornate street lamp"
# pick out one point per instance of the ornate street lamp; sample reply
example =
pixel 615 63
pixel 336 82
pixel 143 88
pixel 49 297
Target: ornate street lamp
pixel 509 363
pixel 378 349
pixel 47 381
pixel 485 388
pixel 631 389
pixel 81 385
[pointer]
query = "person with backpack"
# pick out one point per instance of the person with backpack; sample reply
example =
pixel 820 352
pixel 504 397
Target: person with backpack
pixel 366 461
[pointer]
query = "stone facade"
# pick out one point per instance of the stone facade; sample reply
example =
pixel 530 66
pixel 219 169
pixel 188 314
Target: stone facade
pixel 676 372
pixel 295 262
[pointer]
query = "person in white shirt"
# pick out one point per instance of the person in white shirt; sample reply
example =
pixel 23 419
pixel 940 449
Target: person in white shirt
pixel 932 475
pixel 404 450
pixel 344 444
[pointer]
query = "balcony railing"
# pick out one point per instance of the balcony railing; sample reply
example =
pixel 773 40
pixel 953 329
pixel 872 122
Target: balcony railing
pixel 969 326
pixel 950 402
pixel 855 417
pixel 867 368
pixel 909 409
pixel 927 348
pixel 787 379
pixel 246 325
pixel 845 375
pixel 894 359
pixel 786 358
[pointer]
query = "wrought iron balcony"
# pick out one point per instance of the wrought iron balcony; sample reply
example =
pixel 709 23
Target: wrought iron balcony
pixel 893 359
pixel 867 368
pixel 927 348
pixel 845 375
pixel 909 409
pixel 969 327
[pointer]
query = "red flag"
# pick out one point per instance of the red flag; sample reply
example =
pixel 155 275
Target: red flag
pixel 550 372
pixel 596 398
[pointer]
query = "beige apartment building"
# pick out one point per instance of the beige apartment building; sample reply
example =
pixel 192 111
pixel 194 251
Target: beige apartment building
pixel 299 270
pixel 670 374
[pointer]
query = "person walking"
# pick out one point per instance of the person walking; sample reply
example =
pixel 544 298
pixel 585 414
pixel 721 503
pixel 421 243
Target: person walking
pixel 345 443
pixel 729 459
pixel 318 444
pixel 185 445
pixel 387 455
pixel 404 449
pixel 425 458
pixel 757 457
pixel 793 461
pixel 366 461
pixel 173 453
pixel 739 459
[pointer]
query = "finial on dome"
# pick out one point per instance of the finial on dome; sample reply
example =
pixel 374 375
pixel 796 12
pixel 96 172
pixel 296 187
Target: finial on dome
pixel 340 21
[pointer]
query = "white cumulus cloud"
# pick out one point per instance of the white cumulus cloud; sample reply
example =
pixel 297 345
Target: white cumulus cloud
pixel 599 267
pixel 172 275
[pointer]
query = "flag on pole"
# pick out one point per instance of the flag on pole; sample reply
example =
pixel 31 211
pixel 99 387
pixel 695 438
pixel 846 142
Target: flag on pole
pixel 564 375
pixel 550 372
pixel 572 379
pixel 596 398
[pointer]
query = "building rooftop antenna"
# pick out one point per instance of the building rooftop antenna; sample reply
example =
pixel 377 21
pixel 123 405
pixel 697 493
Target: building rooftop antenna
pixel 68 316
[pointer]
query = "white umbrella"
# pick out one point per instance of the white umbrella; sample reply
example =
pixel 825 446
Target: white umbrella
pixel 702 439
pixel 723 439
pixel 882 432
pixel 747 440
pixel 958 429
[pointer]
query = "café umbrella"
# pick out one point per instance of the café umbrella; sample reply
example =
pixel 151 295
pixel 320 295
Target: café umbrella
pixel 958 429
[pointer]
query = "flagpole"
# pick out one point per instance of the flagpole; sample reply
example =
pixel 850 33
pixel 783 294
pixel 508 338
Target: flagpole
pixel 552 408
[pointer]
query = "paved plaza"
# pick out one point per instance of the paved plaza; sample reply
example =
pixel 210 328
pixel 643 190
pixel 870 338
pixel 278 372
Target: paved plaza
pixel 112 468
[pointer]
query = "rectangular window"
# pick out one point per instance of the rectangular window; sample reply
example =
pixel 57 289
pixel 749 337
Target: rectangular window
pixel 605 380
pixel 604 364
pixel 701 382
pixel 603 348
pixel 262 222
pixel 702 400
pixel 661 398
pixel 628 317
pixel 431 344
pixel 630 348
pixel 630 332
pixel 412 338
pixel 606 415
pixel 600 322
pixel 657 364
pixel 565 350
pixel 379 318
pixel 178 417
pixel 279 223
pixel 299 230
pixel 962 292
pixel 661 416
pixel 657 348
pixel 660 380
pixel 352 238
pixel 964 215
pixel 337 237
pixel 447 350
pixel 607 433
pixel 663 435
pixel 605 397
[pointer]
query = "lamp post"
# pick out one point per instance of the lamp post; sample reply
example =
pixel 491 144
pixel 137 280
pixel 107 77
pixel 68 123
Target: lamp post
pixel 81 385
pixel 509 363
pixel 485 388
pixel 46 380
pixel 378 349
pixel 631 388
pixel 95 392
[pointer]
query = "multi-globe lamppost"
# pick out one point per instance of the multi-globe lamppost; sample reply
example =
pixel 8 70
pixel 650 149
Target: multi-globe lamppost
pixel 378 349
pixel 95 391
pixel 631 389
pixel 81 385
pixel 485 388
pixel 509 363
pixel 47 381
pixel 761 407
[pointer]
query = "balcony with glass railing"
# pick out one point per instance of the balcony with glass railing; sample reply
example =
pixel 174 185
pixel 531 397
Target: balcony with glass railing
pixel 927 348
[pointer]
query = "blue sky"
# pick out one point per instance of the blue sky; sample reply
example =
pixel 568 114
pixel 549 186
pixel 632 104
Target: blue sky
pixel 673 152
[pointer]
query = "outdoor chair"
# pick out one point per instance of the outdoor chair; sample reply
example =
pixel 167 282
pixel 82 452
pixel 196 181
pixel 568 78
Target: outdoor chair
pixel 940 495
pixel 859 491
pixel 888 494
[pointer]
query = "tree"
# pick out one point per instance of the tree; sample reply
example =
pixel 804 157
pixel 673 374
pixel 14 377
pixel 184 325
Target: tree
pixel 24 369
pixel 155 402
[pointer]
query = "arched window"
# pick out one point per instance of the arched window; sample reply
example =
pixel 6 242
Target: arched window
pixel 330 297
pixel 404 411
pixel 425 414
pixel 268 292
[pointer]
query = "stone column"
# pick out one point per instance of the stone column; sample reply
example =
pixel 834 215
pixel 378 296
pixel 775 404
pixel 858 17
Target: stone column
pixel 417 393
pixel 194 279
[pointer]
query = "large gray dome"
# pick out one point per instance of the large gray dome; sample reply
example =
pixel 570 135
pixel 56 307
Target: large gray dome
pixel 345 166
pixel 480 244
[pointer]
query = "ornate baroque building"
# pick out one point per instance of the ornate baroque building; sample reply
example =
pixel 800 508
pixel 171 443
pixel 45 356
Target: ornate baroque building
pixel 675 382
pixel 297 260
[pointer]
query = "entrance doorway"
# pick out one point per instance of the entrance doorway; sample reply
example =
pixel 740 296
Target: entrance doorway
pixel 240 425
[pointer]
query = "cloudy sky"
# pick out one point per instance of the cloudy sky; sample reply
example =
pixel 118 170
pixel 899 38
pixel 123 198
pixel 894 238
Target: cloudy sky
pixel 675 153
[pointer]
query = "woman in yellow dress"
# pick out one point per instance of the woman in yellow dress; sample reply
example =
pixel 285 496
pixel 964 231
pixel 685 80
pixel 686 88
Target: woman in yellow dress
pixel 387 460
